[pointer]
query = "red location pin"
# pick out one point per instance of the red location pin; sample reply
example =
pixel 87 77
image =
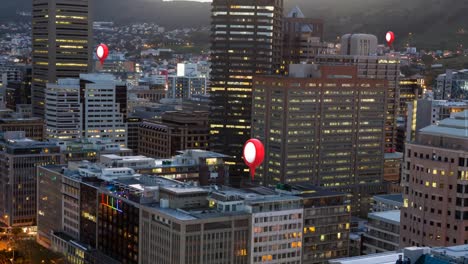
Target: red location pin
pixel 390 37
pixel 254 153
pixel 102 51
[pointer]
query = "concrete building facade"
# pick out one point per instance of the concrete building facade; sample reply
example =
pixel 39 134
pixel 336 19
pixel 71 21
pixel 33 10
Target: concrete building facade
pixel 246 41
pixel 323 127
pixel 19 158
pixel 62 44
pixel 383 232
pixel 176 131
pixel 91 107
pixel 434 180
pixel 378 68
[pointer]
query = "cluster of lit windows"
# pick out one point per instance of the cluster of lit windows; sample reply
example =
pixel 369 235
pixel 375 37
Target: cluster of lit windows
pixel 70 47
pixel 72 64
pixel 71 17
pixel 71 41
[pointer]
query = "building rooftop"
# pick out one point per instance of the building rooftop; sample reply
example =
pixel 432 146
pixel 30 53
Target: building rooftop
pixel 17 139
pixel 456 126
pixel 201 153
pixel 308 191
pixel 381 258
pixel 450 103
pixel 387 216
pixel 393 155
pixel 419 255
pixel 455 251
pixel 398 198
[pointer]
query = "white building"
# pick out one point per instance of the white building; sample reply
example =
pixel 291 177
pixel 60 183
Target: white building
pixel 359 44
pixel 86 108
pixel 187 69
pixel 63 110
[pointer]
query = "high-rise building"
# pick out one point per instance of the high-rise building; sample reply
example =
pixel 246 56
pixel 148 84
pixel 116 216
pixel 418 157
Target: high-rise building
pixel 246 41
pixel 63 110
pixel 67 215
pixel 322 125
pixel 133 125
pixel 176 131
pixel 435 182
pixel 410 90
pixel 360 50
pixel 91 107
pixel 302 38
pixel 62 44
pixel 18 91
pixel 359 45
pixel 452 85
pixel 49 203
pixel 392 168
pixel 19 158
pixel 326 224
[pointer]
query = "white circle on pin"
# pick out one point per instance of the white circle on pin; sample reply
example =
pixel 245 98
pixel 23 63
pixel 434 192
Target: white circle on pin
pixel 250 152
pixel 100 52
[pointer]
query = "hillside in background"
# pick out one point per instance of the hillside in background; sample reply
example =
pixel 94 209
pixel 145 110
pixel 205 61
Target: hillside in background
pixel 433 23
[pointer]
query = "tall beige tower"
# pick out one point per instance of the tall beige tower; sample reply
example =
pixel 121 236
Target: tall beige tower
pixel 62 44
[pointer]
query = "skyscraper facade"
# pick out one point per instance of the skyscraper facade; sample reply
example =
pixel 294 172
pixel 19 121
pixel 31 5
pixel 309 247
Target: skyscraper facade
pixel 435 182
pixel 246 41
pixel 302 38
pixel 62 44
pixel 326 130
pixel 373 67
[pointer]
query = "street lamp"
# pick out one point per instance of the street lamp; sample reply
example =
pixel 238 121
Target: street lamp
pixel 13 258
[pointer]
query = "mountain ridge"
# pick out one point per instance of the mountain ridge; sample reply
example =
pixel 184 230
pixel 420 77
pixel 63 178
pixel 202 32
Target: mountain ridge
pixel 431 22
